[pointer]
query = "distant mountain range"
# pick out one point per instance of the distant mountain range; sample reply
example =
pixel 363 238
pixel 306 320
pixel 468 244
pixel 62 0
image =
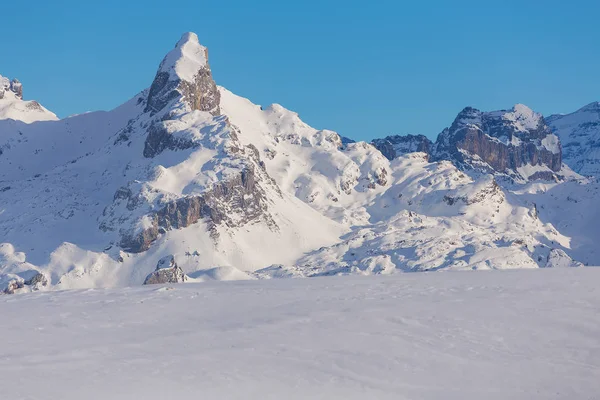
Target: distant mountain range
pixel 188 182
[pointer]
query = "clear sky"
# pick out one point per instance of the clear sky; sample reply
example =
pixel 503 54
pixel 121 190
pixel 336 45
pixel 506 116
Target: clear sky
pixel 363 68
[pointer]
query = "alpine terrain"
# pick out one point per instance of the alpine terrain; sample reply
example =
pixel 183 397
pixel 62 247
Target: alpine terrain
pixel 188 182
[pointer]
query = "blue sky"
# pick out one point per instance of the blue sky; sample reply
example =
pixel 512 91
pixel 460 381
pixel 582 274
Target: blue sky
pixel 364 69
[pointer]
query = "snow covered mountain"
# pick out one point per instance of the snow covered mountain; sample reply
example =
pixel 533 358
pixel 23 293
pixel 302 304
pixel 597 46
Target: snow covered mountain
pixel 579 134
pixel 516 142
pixel 189 182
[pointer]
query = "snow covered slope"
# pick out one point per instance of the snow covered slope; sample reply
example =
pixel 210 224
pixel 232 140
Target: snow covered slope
pixel 579 133
pixel 523 335
pixel 436 217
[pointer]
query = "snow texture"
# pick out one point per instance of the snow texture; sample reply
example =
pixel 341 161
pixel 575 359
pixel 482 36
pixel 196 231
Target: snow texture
pixel 522 335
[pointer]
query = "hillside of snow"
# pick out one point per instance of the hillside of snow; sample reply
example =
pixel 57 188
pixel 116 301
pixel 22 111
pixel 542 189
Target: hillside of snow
pixel 497 335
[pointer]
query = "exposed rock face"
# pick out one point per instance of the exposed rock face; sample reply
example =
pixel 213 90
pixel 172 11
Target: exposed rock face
pixel 579 134
pixel 184 73
pixel 237 199
pixel 239 196
pixel 494 142
pixel 394 146
pixel 37 282
pixel 159 139
pixel 500 141
pixel 14 86
pixel 13 286
pixel 167 271
pixel 17 88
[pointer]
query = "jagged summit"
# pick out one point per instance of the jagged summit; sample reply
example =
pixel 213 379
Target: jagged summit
pixel 186 59
pixel 516 142
pixel 520 119
pixel 184 74
pixel 396 145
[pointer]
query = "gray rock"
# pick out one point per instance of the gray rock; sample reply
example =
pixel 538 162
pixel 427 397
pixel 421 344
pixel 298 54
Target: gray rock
pixel 17 88
pixel 241 195
pixel 167 271
pixel 200 94
pixel 14 86
pixel 13 286
pixel 37 281
pixel 395 146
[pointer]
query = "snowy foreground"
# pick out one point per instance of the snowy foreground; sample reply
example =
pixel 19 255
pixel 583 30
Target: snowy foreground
pixel 526 334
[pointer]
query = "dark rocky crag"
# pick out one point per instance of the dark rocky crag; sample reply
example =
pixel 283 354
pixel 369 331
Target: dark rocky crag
pixel 493 142
pixel 397 145
pixel 167 271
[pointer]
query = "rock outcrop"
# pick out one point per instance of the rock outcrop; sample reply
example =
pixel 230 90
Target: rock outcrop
pixel 395 146
pixel 36 282
pixel 233 202
pixel 167 271
pixel 13 86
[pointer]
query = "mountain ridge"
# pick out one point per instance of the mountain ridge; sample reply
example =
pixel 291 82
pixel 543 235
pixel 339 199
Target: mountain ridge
pixel 188 171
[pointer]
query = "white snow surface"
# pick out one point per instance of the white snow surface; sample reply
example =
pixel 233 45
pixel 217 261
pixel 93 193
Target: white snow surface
pixel 497 335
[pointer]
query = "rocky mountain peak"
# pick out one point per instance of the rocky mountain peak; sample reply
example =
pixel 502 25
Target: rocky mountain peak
pixel 11 86
pixel 516 142
pixel 186 59
pixel 184 74
pixel 468 115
